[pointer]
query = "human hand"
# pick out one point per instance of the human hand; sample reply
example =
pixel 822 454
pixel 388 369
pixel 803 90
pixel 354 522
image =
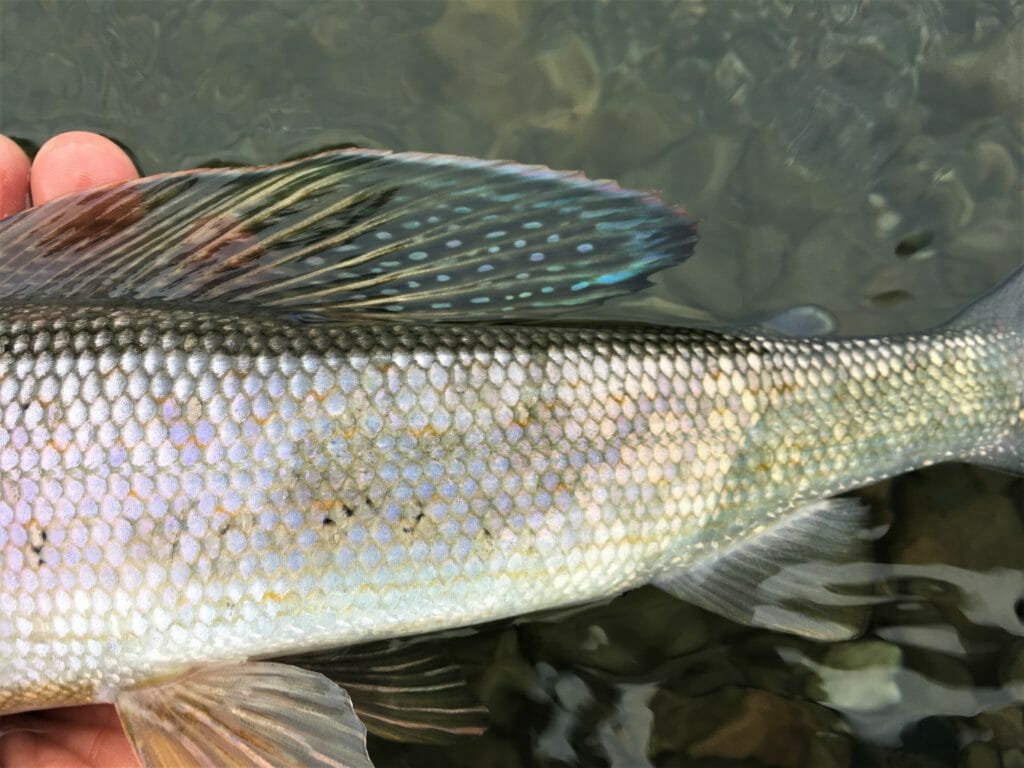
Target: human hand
pixel 66 163
pixel 72 737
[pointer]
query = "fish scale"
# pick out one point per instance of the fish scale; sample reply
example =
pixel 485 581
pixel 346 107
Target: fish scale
pixel 181 486
pixel 297 423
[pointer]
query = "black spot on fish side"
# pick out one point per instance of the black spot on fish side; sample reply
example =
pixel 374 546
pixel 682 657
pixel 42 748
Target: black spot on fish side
pixel 224 528
pixel 328 520
pixel 348 510
pixel 416 521
pixel 36 544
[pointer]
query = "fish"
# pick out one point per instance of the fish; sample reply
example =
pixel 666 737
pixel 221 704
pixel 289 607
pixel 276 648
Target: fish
pixel 252 417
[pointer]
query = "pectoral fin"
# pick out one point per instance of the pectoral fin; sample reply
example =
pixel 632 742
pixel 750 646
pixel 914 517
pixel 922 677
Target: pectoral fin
pixel 786 577
pixel 404 692
pixel 250 714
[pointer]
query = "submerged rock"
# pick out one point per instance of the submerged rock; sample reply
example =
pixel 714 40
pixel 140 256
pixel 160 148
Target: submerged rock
pixel 745 725
pixel 980 755
pixel 629 636
pixel 1006 725
pixel 858 676
pixel 937 505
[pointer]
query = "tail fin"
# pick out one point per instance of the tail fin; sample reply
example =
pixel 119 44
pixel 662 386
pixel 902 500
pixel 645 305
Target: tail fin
pixel 1001 311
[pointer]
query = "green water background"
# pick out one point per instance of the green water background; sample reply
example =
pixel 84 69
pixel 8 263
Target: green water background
pixel 864 157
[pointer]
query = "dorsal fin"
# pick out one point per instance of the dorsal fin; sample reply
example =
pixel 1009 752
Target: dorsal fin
pixel 347 233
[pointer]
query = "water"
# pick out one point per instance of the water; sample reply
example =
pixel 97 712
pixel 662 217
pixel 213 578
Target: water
pixel 863 157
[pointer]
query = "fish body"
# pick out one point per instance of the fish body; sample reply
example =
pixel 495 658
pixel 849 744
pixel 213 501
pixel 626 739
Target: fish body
pixel 198 481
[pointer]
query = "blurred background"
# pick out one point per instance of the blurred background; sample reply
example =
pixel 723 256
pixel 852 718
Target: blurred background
pixel 855 166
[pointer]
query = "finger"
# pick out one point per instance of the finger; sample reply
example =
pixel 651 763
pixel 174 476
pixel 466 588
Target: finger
pixel 14 168
pixel 77 160
pixel 79 737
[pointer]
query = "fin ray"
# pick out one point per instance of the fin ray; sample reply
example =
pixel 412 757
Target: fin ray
pixel 250 714
pixel 784 578
pixel 349 233
pixel 404 692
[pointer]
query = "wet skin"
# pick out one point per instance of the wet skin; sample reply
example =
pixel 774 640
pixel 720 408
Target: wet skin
pixel 72 737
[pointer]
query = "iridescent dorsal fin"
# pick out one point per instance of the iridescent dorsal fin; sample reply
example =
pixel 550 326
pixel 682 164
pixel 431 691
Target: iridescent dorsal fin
pixel 348 233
